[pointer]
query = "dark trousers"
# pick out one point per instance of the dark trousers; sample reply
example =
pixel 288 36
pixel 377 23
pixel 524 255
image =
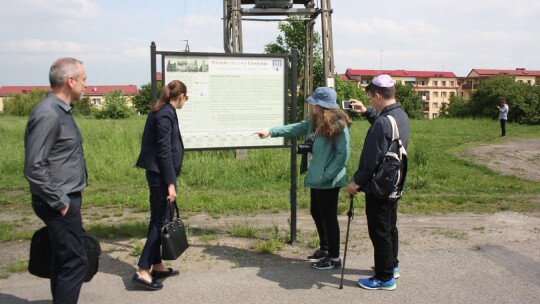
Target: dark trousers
pixel 324 212
pixel 382 219
pixel 503 127
pixel 159 215
pixel 69 263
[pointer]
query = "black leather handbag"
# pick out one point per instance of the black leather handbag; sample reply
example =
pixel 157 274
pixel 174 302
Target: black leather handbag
pixel 173 237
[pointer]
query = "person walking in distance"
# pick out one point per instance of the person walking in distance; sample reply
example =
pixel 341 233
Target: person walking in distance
pixel 503 116
pixel 55 168
pixel 381 213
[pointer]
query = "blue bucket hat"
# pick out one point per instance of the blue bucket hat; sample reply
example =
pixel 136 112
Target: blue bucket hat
pixel 324 97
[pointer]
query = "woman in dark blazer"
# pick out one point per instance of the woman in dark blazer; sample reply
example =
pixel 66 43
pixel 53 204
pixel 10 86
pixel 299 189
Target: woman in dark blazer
pixel 162 153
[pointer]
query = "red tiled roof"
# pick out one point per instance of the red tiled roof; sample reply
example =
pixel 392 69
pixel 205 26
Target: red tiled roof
pixel 400 73
pixel 9 90
pixel 344 77
pixel 90 90
pixel 492 72
pixel 106 89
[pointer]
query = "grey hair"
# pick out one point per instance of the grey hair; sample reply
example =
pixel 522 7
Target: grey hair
pixel 61 69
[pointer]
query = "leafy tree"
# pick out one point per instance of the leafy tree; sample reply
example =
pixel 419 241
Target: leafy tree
pixel 22 104
pixel 410 101
pixel 83 106
pixel 349 90
pixel 142 102
pixel 115 107
pixel 294 37
pixel 458 108
pixel 523 99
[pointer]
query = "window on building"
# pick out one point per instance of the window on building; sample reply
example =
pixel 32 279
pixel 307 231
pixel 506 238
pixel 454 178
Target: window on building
pixel 528 81
pixel 435 83
pixel 435 115
pixel 443 94
pixel 462 94
pixel 421 82
pixel 96 101
pixel 435 105
pixel 443 83
pixel 452 83
pixel 435 94
pixel 520 81
pixel 469 82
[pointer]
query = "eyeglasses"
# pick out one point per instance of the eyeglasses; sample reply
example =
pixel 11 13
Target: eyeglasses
pixel 187 97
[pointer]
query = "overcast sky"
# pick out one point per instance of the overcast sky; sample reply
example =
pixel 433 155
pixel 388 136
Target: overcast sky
pixel 113 37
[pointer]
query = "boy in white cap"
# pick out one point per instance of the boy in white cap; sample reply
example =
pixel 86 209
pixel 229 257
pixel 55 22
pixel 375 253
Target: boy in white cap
pixel 381 213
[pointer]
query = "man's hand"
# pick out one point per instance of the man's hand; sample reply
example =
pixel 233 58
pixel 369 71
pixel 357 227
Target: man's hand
pixel 352 188
pixel 263 133
pixel 64 211
pixel 358 106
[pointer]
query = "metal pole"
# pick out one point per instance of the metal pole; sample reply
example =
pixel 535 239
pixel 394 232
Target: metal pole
pixel 294 174
pixel 350 215
pixel 153 71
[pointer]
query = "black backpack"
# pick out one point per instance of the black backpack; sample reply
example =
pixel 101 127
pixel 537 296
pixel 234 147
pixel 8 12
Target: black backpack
pixel 389 179
pixel 40 254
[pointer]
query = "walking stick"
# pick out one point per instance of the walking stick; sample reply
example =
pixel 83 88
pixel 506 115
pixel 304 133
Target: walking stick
pixel 350 214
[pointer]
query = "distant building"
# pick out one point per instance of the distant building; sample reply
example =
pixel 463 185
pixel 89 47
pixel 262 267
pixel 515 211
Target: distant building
pixel 95 93
pixel 476 76
pixel 434 87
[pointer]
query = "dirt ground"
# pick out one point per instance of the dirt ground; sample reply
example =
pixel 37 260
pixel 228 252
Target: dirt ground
pixel 461 230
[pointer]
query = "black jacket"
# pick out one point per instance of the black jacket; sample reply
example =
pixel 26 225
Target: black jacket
pixel 377 141
pixel 162 149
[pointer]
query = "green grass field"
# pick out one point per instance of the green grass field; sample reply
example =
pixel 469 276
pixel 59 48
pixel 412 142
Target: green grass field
pixel 214 181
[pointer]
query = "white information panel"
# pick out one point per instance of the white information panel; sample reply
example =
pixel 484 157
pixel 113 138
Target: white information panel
pixel 229 99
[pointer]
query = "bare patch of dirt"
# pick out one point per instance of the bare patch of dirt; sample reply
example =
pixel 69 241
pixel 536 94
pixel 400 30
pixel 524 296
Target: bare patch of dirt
pixel 520 158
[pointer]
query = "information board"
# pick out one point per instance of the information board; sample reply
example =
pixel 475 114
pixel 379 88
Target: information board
pixel 230 97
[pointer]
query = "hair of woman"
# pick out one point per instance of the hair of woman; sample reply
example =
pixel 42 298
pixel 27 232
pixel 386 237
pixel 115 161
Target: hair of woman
pixel 169 92
pixel 331 122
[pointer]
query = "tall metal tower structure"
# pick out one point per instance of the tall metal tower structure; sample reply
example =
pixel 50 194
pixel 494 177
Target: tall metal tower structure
pixel 236 11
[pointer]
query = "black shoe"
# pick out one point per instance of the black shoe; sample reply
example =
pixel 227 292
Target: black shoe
pixel 154 285
pixel 327 263
pixel 164 274
pixel 317 256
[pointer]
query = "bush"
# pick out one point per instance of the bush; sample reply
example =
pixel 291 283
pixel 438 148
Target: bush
pixel 22 104
pixel 115 107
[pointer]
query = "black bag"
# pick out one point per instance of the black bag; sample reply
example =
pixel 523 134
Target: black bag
pixel 173 237
pixel 389 179
pixel 40 254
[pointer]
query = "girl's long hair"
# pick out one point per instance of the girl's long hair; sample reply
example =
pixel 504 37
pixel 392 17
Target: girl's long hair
pixel 172 90
pixel 331 122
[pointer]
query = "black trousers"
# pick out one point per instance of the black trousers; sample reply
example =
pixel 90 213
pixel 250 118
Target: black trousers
pixel 324 212
pixel 159 215
pixel 503 127
pixel 382 227
pixel 69 263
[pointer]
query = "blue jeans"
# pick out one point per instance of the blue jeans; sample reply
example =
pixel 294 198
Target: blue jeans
pixel 159 216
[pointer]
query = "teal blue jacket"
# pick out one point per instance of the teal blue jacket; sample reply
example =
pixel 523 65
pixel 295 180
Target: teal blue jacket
pixel 327 168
